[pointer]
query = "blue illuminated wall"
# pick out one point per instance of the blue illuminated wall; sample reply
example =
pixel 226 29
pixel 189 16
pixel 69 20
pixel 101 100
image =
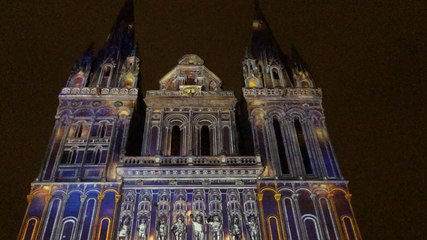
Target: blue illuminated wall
pixel 119 169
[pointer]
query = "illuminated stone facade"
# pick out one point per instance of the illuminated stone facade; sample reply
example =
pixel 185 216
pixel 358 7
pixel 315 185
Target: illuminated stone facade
pixel 187 178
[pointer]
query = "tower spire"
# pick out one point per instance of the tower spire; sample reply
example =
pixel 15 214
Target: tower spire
pixel 264 62
pixel 263 40
pixel 113 59
pixel 121 40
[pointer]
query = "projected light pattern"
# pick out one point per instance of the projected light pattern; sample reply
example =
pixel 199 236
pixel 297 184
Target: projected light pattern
pixel 186 164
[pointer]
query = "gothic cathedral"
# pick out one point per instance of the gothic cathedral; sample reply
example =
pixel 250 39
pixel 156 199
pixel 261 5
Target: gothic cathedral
pixel 183 163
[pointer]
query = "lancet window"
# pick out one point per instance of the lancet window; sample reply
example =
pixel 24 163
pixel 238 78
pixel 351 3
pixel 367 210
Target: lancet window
pixel 96 155
pixel 312 228
pixel 292 219
pixel 105 77
pixel 303 147
pixel 71 156
pixel 103 129
pixel 79 129
pixel 280 147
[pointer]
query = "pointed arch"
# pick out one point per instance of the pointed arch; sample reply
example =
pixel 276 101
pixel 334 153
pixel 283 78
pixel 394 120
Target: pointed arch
pixel 312 228
pixel 105 75
pixel 30 228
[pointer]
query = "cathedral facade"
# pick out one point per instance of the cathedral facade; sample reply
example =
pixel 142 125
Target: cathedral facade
pixel 182 162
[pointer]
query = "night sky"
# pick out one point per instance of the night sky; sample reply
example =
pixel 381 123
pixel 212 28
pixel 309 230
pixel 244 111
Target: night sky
pixel 369 57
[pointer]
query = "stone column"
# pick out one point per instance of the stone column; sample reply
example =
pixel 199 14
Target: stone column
pixel 95 223
pixel 278 197
pixel 79 217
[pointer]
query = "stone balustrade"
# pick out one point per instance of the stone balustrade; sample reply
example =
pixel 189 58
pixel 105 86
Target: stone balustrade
pixel 282 92
pixel 190 160
pixel 179 93
pixel 99 91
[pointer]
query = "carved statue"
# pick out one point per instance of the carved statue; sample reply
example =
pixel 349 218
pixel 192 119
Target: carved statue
pixel 198 226
pixel 216 227
pixel 162 229
pixel 252 227
pixel 178 228
pixel 142 230
pixel 124 229
pixel 236 233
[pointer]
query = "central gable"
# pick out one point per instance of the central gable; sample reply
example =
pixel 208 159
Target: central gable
pixel 190 71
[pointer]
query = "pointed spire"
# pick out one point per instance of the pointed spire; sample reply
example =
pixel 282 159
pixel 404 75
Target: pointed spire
pixel 262 37
pixel 121 40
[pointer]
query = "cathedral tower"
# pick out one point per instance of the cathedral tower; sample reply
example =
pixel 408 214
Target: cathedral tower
pixel 76 193
pixel 189 180
pixel 302 194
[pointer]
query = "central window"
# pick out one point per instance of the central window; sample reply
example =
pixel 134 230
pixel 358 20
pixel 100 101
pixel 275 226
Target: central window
pixel 176 141
pixel 205 141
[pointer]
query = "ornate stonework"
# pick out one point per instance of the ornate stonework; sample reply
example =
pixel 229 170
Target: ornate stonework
pixel 171 167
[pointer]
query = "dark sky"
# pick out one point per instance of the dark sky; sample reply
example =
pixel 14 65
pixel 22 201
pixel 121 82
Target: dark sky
pixel 369 57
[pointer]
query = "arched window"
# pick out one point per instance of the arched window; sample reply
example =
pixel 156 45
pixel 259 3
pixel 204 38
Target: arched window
pixel 102 129
pixel 273 228
pixel 105 77
pixel 245 68
pixel 260 69
pixel 205 141
pixel 275 74
pixel 89 214
pixel 280 147
pixel 78 131
pixel 107 71
pixel 226 140
pixel 77 82
pixel 68 229
pixel 303 147
pixel 71 156
pixel 292 225
pixel 176 141
pixel 311 228
pixel 328 218
pixel 305 84
pixel 30 229
pixel 349 228
pixel 51 218
pixel 104 229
